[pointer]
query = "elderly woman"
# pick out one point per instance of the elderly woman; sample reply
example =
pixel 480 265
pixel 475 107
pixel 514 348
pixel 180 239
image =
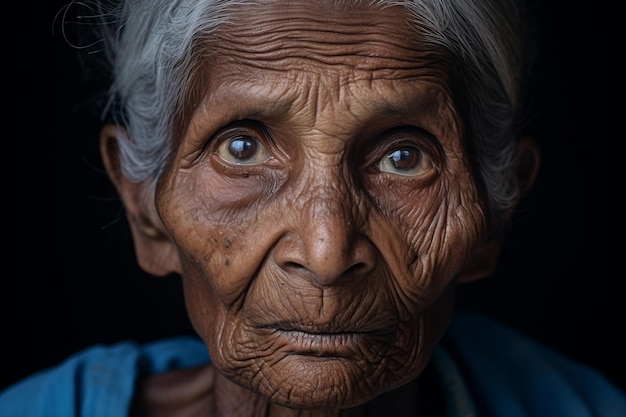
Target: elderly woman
pixel 322 175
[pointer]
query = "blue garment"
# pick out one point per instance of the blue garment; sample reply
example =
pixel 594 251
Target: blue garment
pixel 487 370
pixel 511 375
pixel 98 381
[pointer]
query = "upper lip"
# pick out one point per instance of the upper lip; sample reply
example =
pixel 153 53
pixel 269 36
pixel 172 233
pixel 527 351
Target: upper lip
pixel 329 328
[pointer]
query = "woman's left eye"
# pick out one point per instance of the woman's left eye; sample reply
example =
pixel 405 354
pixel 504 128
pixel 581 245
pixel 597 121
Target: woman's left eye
pixel 406 160
pixel 243 150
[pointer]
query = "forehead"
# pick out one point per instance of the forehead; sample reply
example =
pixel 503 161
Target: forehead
pixel 272 57
pixel 304 34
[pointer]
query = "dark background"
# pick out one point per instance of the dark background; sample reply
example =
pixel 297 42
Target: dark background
pixel 75 282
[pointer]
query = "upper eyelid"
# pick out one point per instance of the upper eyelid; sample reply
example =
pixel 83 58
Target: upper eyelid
pixel 239 128
pixel 403 136
pixel 246 127
pixel 411 130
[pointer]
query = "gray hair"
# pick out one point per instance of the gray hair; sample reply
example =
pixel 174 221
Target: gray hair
pixel 150 48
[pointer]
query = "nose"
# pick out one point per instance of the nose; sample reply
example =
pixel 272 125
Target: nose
pixel 325 243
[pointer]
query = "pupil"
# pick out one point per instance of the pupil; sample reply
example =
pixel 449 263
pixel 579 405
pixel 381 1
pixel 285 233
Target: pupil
pixel 400 155
pixel 402 159
pixel 241 148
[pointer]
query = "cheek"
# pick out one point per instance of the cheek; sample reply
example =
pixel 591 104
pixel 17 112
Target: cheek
pixel 213 221
pixel 427 235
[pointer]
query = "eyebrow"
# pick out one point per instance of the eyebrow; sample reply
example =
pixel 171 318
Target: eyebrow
pixel 425 104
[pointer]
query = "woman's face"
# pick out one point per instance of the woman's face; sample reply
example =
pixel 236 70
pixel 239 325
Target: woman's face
pixel 321 203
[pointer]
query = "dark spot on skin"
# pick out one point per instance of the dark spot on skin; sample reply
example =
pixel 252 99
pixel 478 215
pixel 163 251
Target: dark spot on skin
pixel 227 243
pixel 246 175
pixel 227 261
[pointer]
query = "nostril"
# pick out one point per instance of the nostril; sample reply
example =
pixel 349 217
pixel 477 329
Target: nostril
pixel 356 269
pixel 294 266
pixel 353 271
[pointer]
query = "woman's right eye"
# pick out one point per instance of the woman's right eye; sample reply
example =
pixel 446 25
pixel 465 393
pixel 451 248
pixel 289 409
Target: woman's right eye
pixel 242 143
pixel 242 150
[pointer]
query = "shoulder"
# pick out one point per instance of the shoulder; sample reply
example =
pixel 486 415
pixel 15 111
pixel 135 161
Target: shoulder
pixel 99 380
pixel 510 374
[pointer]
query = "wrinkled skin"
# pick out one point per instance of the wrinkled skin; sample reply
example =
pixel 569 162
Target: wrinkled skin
pixel 320 209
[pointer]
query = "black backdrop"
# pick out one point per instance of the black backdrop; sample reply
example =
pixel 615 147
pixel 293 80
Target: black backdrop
pixel 75 282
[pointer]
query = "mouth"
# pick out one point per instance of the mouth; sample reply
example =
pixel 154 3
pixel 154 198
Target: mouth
pixel 328 341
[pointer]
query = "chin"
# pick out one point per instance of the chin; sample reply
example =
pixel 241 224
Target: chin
pixel 313 382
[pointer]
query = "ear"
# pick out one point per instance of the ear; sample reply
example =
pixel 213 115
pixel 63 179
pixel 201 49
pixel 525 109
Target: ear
pixel 527 163
pixel 156 253
pixel 484 260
